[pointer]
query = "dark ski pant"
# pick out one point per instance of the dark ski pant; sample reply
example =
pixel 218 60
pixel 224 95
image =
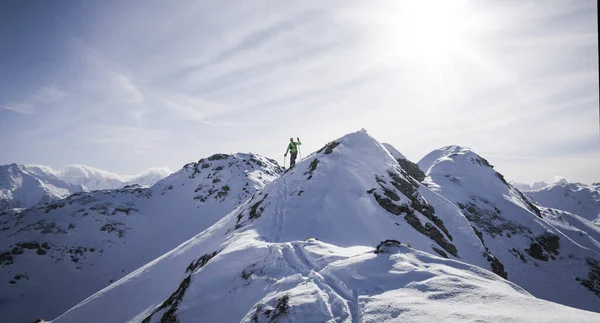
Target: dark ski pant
pixel 293 156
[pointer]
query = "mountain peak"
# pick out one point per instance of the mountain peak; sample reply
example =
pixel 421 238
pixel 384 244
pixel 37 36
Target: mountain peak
pixel 427 161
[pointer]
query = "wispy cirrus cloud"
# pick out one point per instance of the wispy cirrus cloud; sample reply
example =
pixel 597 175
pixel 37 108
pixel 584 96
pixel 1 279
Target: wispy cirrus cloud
pixel 22 108
pixel 176 81
pixel 47 94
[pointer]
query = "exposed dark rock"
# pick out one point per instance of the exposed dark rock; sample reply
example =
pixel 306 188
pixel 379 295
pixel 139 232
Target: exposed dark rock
pixel 479 234
pixel 452 179
pixel 247 274
pixel 256 315
pixel 223 192
pixel 258 162
pixel 218 157
pixel 536 251
pixel 172 303
pixel 432 232
pixel 412 169
pixel 392 207
pixel 53 206
pixel 387 243
pixel 281 309
pixel 409 189
pixel 239 218
pixel 329 147
pixel 549 242
pixel 502 179
pixel 6 259
pixel 29 245
pixel 530 205
pixel 592 283
pixel 404 186
pixel 200 262
pixel 115 227
pixel 256 210
pixel 126 210
pixel 311 168
pixel 390 194
pixel 519 255
pixel 440 252
pixel 488 218
pixel 497 266
pixel 170 316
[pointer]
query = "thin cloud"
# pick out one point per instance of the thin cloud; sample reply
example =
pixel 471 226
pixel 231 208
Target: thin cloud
pixel 27 109
pixel 47 94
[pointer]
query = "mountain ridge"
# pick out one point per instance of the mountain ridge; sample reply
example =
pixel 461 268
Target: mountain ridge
pixel 302 236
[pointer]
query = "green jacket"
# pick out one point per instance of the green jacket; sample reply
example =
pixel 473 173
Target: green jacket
pixel 293 147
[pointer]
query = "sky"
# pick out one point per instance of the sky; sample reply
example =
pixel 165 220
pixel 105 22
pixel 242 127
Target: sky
pixel 128 85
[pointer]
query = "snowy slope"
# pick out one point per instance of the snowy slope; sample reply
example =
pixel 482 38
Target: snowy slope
pixel 426 162
pixel 302 250
pixel 577 198
pixel 55 255
pixel 23 186
pixel 578 229
pixel 536 254
pixel 395 153
pixel 411 168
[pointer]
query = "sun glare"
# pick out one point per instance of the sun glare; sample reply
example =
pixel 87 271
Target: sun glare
pixel 430 29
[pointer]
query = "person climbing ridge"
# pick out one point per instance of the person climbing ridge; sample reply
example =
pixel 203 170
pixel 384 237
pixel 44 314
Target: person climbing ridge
pixel 293 149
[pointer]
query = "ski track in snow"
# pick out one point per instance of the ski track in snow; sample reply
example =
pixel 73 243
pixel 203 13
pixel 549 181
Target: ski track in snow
pixel 297 258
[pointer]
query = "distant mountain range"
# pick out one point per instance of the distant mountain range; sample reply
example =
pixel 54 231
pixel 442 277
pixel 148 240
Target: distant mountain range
pixel 23 186
pixel 97 179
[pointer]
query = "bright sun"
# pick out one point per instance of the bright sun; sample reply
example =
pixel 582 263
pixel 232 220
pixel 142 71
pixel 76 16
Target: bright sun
pixel 429 30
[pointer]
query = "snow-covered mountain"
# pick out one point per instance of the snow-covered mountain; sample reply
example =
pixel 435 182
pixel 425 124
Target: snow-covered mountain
pixel 56 254
pixel 526 187
pixel 532 252
pixel 148 177
pixel 308 248
pixel 411 168
pixel 98 179
pixel 23 186
pixel 576 198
